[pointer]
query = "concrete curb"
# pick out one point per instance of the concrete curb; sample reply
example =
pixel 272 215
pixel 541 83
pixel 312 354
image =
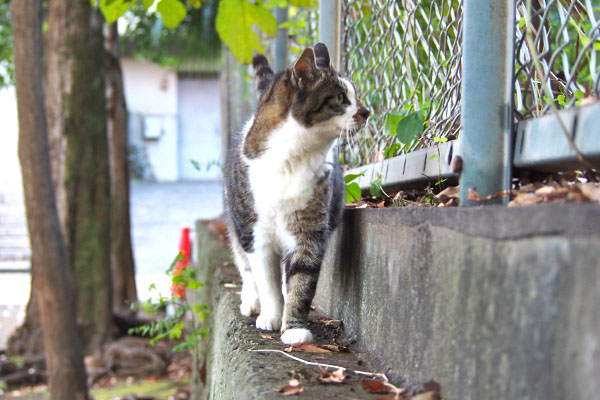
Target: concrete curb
pixel 493 303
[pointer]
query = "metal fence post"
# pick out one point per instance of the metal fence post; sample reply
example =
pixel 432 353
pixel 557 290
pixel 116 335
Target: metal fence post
pixel 330 26
pixel 281 41
pixel 487 97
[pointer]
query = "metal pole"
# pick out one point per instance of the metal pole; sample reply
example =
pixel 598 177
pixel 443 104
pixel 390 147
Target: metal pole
pixel 487 97
pixel 281 41
pixel 330 13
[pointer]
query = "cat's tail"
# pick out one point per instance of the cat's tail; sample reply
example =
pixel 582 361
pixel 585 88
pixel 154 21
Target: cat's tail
pixel 262 74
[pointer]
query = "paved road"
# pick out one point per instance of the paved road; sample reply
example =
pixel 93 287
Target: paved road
pixel 159 211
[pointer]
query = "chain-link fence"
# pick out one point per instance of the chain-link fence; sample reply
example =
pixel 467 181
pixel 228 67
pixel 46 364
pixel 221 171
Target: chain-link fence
pixel 565 38
pixel 404 56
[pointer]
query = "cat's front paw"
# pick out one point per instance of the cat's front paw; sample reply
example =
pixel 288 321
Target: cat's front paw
pixel 249 307
pixel 296 335
pixel 268 322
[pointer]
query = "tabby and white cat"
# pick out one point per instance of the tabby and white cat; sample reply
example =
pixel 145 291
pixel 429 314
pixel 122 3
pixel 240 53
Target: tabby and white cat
pixel 284 190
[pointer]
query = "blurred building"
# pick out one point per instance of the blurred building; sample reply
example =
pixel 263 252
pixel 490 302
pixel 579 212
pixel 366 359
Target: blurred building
pixel 174 122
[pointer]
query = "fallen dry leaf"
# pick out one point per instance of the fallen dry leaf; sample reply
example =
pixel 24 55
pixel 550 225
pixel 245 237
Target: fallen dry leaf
pixel 266 336
pixel 474 196
pixel 217 225
pixel 313 348
pixel 333 323
pixel 374 386
pixel 590 190
pixel 525 199
pixel 336 376
pixel 292 387
pixel 448 194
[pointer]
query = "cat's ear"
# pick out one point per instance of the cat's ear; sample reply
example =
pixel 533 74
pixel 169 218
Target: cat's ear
pixel 305 68
pixel 263 74
pixel 322 56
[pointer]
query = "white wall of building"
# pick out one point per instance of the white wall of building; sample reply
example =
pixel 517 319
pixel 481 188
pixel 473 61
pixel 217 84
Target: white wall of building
pixel 199 129
pixel 151 93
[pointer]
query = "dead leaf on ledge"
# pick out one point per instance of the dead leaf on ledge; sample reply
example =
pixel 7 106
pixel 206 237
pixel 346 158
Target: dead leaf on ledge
pixel 291 388
pixel 474 196
pixel 315 348
pixel 333 323
pixel 336 376
pixel 448 194
pixel 375 386
pixel 578 193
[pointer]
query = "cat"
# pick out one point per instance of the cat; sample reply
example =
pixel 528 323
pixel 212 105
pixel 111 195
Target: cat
pixel 284 187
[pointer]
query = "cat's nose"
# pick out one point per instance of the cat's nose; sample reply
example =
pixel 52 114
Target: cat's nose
pixel 363 112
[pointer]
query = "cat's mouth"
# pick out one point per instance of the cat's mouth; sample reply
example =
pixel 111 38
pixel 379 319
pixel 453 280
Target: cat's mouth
pixel 359 119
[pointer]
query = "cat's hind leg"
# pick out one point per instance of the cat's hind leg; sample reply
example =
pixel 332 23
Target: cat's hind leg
pixel 250 304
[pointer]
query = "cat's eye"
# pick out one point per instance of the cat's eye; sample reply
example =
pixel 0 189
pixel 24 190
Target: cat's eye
pixel 340 98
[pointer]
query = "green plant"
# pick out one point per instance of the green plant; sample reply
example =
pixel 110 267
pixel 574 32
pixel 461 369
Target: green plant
pixel 174 326
pixel 376 186
pixel 212 163
pixel 353 191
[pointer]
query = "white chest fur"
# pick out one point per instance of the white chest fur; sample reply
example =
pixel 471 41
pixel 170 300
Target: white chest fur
pixel 283 178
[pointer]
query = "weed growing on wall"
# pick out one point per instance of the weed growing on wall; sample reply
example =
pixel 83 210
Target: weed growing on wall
pixel 184 322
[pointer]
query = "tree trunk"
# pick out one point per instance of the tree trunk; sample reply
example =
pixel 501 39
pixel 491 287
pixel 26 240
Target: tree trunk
pixel 50 268
pixel 77 129
pixel 123 268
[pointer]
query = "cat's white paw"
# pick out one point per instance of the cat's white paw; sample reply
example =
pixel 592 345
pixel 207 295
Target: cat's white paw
pixel 249 307
pixel 296 335
pixel 268 322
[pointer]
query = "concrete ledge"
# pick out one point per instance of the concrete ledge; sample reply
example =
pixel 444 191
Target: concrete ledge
pixel 225 369
pixel 493 303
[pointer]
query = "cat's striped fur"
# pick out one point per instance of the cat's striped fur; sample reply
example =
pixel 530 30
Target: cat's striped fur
pixel 284 188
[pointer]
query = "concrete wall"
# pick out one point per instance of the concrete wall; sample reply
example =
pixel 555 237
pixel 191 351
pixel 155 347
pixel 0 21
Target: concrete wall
pixel 493 303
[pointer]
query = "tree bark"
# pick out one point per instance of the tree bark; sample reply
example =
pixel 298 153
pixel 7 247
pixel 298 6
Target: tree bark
pixel 50 268
pixel 75 71
pixel 123 267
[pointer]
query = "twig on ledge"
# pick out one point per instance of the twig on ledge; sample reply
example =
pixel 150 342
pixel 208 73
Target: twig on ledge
pixel 315 364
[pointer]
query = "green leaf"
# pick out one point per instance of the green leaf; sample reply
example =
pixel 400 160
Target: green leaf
pixel 264 20
pixel 172 12
pixel 303 3
pixel 147 4
pixel 176 331
pixel 376 189
pixel 350 177
pixel 391 150
pixel 391 123
pixel 193 284
pixel 198 308
pixel 409 127
pixel 440 139
pixel 113 9
pixel 352 192
pixel 234 23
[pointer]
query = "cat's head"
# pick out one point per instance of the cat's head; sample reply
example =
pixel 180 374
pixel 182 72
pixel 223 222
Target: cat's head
pixel 312 92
